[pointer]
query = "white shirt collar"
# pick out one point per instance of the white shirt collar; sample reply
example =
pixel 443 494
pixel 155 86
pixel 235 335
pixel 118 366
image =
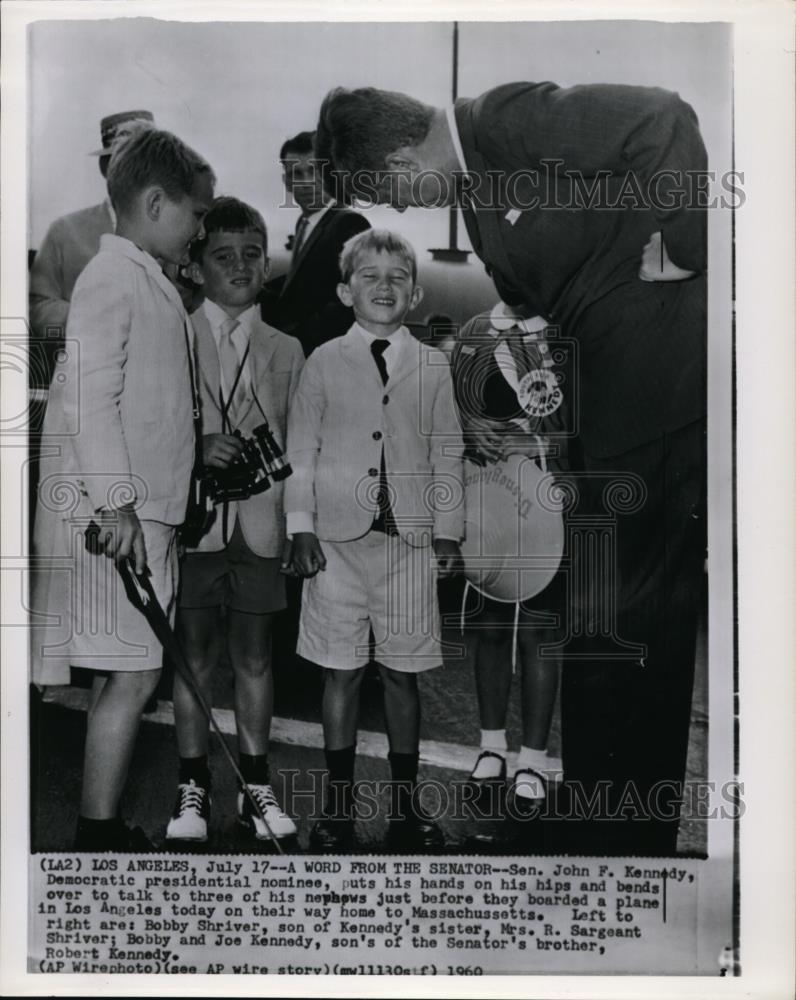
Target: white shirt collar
pixel 450 114
pixel 503 318
pixel 391 353
pixel 395 339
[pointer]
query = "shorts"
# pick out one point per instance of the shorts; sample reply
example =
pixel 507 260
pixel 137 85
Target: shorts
pixel 234 578
pixel 381 582
pixel 82 617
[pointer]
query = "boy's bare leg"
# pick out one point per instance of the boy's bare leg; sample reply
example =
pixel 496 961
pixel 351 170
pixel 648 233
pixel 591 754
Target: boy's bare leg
pixel 96 689
pixel 341 707
pixel 110 737
pixel 249 644
pixel 401 710
pixel 199 631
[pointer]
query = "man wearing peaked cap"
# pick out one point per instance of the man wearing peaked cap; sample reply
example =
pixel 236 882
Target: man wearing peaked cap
pixel 72 241
pixel 119 126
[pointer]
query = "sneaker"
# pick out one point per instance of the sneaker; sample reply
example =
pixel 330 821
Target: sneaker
pixel 280 824
pixel 191 814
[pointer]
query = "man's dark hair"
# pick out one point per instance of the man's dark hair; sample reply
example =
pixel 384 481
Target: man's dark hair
pixel 358 129
pixel 299 145
pixel 152 157
pixel 229 215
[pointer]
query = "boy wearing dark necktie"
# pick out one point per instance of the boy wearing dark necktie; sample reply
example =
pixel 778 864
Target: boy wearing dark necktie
pixel 376 449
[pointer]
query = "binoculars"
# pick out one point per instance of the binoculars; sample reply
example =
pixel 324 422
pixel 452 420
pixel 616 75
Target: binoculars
pixel 260 463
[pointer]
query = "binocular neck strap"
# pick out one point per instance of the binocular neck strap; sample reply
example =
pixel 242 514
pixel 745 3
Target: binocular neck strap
pixel 225 404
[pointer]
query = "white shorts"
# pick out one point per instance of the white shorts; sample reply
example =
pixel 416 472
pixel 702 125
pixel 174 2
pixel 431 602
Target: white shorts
pixel 80 614
pixel 379 582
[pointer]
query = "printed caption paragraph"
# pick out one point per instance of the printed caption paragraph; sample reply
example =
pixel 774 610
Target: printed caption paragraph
pixel 360 916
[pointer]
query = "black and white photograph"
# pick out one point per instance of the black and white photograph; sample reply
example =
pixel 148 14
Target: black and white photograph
pixel 375 503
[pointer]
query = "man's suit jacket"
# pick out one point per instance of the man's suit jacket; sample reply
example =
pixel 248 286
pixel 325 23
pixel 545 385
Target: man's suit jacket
pixel 275 362
pixel 642 346
pixel 68 246
pixel 304 302
pixel 340 419
pixel 120 406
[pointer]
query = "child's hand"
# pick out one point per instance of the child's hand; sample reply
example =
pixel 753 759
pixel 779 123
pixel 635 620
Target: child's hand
pixel 121 535
pixel 308 555
pixel 530 445
pixel 287 568
pixel 220 450
pixel 656 265
pixel 486 436
pixel 449 558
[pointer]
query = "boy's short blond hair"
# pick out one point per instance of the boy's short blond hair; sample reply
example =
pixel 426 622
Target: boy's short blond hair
pixel 379 241
pixel 152 156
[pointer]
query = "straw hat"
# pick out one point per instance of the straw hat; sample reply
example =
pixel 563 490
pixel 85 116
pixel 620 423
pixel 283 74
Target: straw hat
pixel 514 528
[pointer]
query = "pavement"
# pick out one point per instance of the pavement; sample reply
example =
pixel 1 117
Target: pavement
pixel 449 734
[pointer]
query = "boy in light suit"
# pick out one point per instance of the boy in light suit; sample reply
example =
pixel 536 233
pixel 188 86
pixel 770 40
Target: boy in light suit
pixel 376 449
pixel 247 373
pixel 120 414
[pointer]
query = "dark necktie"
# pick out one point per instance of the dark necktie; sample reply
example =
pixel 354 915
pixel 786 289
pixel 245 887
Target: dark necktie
pixel 384 520
pixel 298 239
pixel 377 349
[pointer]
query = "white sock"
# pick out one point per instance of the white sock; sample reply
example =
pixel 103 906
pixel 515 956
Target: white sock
pixel 493 740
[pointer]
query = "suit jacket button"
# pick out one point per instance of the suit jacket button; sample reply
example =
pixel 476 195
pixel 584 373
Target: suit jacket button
pixel 373 471
pixel 386 400
pixel 377 435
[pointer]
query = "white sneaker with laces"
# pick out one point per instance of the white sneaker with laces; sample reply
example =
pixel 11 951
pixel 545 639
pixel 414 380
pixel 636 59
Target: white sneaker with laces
pixel 191 813
pixel 280 824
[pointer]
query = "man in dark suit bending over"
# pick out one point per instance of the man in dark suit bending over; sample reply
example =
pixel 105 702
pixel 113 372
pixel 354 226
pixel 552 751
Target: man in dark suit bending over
pixel 304 301
pixel 579 203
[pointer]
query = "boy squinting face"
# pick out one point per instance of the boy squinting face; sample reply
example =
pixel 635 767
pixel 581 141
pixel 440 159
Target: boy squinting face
pixel 232 270
pixel 381 291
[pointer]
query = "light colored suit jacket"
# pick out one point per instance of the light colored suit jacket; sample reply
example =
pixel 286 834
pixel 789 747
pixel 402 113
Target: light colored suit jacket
pixel 275 362
pixel 340 419
pixel 68 246
pixel 120 407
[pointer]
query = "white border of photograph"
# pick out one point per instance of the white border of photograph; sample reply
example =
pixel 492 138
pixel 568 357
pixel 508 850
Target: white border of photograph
pixel 765 361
